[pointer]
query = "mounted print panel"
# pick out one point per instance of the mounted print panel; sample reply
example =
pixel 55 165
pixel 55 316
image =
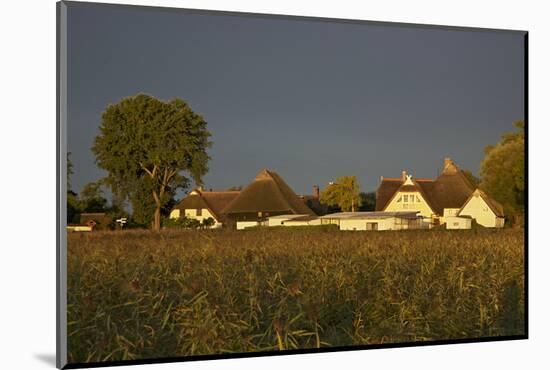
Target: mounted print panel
pixel 236 185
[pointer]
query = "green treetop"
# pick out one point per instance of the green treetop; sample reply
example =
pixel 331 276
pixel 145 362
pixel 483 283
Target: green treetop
pixel 343 193
pixel 144 139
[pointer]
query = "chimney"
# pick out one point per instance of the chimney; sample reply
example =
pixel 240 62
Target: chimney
pixel 315 191
pixel 449 167
pixel 403 175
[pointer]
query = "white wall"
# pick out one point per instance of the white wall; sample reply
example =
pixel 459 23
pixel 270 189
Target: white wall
pixel 419 204
pixel 244 224
pixel 278 220
pixel 480 211
pixel 453 223
pixel 314 222
pixel 192 213
pixel 361 224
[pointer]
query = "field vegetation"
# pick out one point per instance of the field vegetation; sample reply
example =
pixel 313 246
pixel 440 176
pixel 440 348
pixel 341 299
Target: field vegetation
pixel 139 294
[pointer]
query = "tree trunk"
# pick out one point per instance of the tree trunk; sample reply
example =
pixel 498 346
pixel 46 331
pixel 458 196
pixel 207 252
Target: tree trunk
pixel 156 216
pixel 156 219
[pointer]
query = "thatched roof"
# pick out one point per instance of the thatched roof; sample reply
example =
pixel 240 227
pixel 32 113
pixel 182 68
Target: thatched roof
pixel 386 191
pixel 451 189
pixel 214 201
pixel 268 192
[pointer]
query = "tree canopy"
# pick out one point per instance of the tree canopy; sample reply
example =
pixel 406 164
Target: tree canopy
pixel 343 193
pixel 503 169
pixel 146 143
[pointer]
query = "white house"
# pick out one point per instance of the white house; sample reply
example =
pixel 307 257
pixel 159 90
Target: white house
pixel 201 205
pixel 438 200
pixel 485 210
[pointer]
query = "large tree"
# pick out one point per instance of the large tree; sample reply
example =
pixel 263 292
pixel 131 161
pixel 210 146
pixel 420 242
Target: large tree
pixel 502 171
pixel 145 140
pixel 343 193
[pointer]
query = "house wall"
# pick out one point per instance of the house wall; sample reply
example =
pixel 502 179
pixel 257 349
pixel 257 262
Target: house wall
pixel 361 224
pixel 302 223
pixel 419 204
pixel 244 224
pixel 389 223
pixel 453 223
pixel 480 211
pixel 192 213
pixel 330 221
pixel 448 213
pixel 278 220
pixel 79 228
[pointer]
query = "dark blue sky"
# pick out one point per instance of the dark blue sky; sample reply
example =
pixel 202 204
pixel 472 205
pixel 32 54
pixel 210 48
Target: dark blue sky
pixel 311 100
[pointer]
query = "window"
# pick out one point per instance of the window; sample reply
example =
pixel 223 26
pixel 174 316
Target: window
pixel 417 199
pixel 406 198
pixel 199 212
pixel 399 200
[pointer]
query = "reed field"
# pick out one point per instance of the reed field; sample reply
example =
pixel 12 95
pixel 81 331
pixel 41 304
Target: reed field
pixel 141 295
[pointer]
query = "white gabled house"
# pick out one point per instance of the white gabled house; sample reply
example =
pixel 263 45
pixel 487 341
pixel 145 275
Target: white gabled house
pixel 484 209
pixel 440 200
pixel 201 205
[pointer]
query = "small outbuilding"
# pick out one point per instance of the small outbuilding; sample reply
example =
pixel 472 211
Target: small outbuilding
pixel 458 222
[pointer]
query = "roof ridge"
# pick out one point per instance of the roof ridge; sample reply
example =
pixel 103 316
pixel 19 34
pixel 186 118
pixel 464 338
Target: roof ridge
pixel 220 191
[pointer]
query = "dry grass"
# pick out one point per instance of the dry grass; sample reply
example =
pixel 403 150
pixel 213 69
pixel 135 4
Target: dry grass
pixel 135 294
